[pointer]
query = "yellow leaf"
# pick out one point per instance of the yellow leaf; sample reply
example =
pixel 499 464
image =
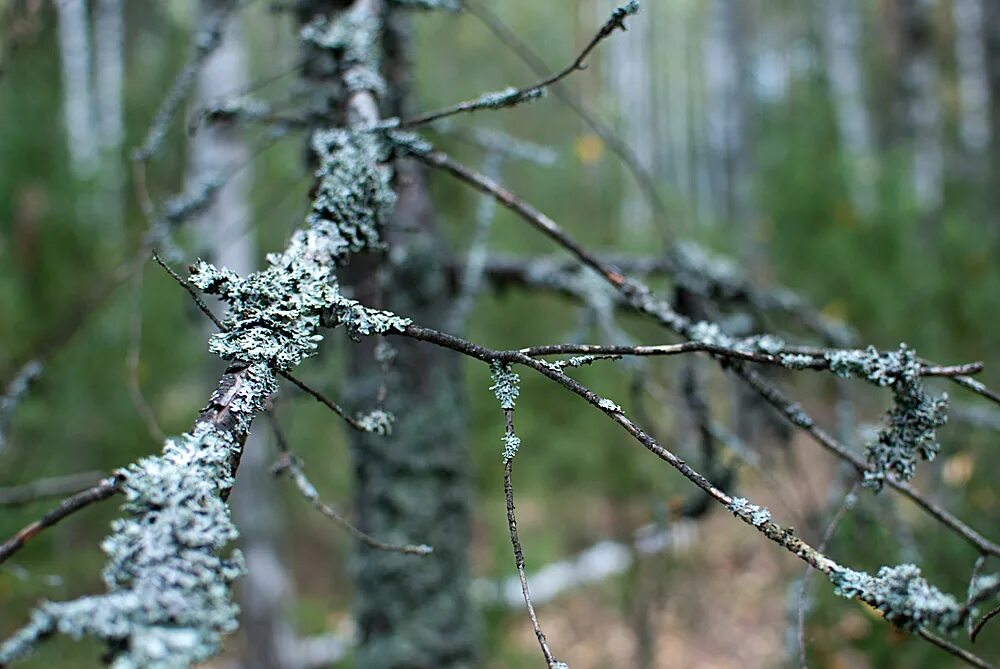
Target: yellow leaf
pixel 589 149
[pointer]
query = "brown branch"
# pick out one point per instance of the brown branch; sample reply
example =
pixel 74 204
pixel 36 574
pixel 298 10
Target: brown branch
pixel 641 299
pixel 67 507
pixel 508 489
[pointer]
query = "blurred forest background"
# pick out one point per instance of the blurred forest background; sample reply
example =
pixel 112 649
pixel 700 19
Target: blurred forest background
pixel 847 149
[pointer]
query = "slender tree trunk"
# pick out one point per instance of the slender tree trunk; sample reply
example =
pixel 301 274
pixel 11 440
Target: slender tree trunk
pixel 412 612
pixel 842 36
pixel 219 151
pixel 109 47
pixel 78 103
pixel 991 41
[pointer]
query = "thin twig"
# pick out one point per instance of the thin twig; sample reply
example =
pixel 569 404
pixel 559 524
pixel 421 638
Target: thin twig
pixel 523 50
pixel 508 489
pixel 133 361
pixel 67 507
pixel 958 652
pixel 800 614
pixel 203 307
pixel 515 96
pixel 206 42
pixel 56 486
pixel 982 623
pixel 291 463
pixel 640 298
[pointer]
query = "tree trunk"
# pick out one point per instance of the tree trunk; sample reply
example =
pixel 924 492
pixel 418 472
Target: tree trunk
pixel 412 612
pixel 219 151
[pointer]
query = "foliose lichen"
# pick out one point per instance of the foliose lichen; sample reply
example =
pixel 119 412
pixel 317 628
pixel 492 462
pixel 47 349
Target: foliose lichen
pixel 506 384
pixel 608 405
pixel 757 515
pixel 511 442
pixel 376 421
pixel 902 595
pixel 912 422
pixel 275 314
pixel 168 598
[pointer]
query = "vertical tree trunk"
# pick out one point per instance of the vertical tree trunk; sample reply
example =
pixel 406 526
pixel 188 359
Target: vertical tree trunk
pixel 842 36
pixel 631 83
pixel 919 104
pixel 109 47
pixel 78 103
pixel 218 151
pixel 412 612
pixel 991 41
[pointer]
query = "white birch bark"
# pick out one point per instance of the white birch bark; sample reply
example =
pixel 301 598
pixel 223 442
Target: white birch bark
pixel 78 104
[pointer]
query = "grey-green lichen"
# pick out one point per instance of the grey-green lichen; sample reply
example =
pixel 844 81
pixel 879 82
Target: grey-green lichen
pixel 608 405
pixel 377 422
pixel 506 384
pixel 757 515
pixel 511 442
pixel 275 314
pixel 168 598
pixel 912 423
pixel 508 97
pixel 351 39
pixel 902 595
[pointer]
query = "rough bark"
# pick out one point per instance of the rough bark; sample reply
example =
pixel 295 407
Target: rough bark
pixel 219 151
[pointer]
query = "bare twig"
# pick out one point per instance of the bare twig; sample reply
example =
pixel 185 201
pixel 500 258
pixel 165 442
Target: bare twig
pixel 514 96
pixel 523 50
pixel 133 361
pixel 641 299
pixel 800 613
pixel 56 486
pixel 974 632
pixel 67 507
pixel 508 489
pixel 293 465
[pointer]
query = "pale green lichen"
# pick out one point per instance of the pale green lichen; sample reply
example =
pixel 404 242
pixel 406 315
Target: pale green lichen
pixel 608 405
pixel 912 423
pixel 511 442
pixel 168 601
pixel 757 515
pixel 902 595
pixel 376 422
pixel 506 384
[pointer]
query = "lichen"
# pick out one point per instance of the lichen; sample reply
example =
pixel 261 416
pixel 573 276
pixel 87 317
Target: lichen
pixel 506 384
pixel 912 422
pixel 608 405
pixel 168 597
pixel 902 595
pixel 797 361
pixel 376 422
pixel 275 314
pixel 508 97
pixel 511 442
pixel 757 515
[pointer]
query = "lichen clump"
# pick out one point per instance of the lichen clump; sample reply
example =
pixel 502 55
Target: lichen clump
pixel 506 384
pixel 167 603
pixel 911 429
pixel 902 595
pixel 743 508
